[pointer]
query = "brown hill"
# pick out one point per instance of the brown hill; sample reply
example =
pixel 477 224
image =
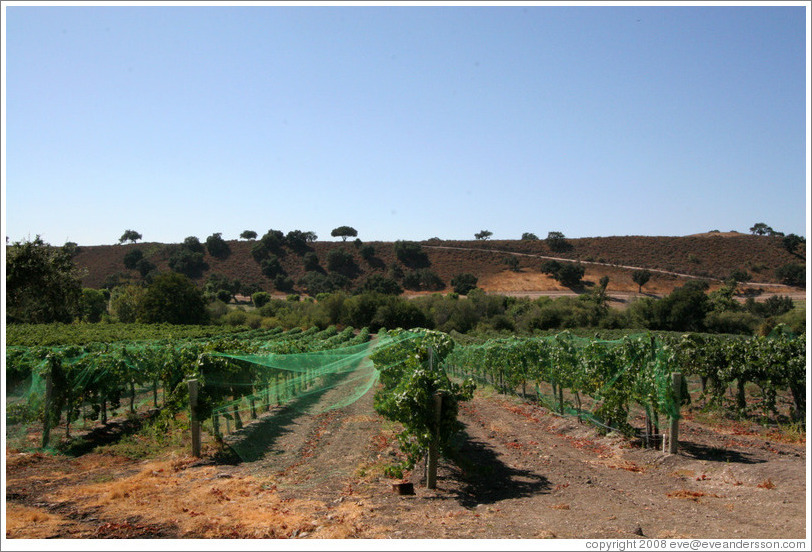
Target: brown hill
pixel 713 256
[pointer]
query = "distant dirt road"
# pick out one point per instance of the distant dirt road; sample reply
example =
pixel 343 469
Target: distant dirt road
pixel 624 297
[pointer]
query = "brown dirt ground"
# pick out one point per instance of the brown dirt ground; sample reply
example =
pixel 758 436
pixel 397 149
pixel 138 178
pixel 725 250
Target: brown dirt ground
pixel 521 472
pixel 712 256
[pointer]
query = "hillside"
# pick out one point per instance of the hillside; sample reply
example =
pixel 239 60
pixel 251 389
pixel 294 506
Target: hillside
pixel 713 256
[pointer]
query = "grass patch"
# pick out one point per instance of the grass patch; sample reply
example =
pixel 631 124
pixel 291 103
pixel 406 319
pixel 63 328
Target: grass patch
pixel 164 434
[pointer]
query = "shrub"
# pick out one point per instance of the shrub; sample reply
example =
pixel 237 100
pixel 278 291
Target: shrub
pixel 236 317
pixel 367 252
pixel 311 261
pixel 314 283
pixel 298 240
pixel 731 322
pixel 377 283
pixel 773 306
pixel 283 282
pixel 92 305
pixel 144 267
pixel 411 254
pixel 261 298
pixel 568 274
pixel 792 274
pixel 512 262
pixel 217 310
pixel 187 262
pixel 273 240
pixel 259 251
pixel 556 242
pixel 217 246
pixel 253 320
pixel 193 244
pixel 423 280
pixel 464 283
pixel 271 267
pixel 132 257
pixel 172 298
pixel 342 262
pixel 740 276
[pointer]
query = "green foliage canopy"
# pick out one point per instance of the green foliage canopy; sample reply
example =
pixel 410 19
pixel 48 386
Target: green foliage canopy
pixel 41 283
pixel 464 283
pixel 174 299
pixel 130 236
pixel 344 232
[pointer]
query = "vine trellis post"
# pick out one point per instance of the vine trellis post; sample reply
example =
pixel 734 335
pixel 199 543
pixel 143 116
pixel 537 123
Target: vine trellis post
pixel 195 422
pixel 434 449
pixel 672 445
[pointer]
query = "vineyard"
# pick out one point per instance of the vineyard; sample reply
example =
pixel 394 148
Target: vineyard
pixel 253 386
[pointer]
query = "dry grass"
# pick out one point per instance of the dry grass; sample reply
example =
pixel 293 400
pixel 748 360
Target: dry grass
pixel 203 503
pixel 690 495
pixel 32 523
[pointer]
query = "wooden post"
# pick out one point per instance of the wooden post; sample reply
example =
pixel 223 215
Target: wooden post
pixel 68 417
pixel 673 429
pixel 46 424
pixel 195 423
pixel 434 448
pixel 237 419
pixel 215 421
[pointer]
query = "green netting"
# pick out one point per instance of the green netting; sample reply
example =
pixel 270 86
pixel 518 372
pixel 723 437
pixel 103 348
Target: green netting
pixel 255 385
pixel 271 390
pixel 97 381
pixel 593 379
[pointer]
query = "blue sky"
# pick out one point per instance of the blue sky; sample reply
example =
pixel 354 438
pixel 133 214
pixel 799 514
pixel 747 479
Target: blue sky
pixel 405 122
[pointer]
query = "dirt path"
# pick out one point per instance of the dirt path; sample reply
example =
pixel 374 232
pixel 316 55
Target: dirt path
pixel 520 472
pixel 530 474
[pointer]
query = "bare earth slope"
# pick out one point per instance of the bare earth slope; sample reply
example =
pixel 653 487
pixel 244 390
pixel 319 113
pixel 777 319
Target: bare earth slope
pixel 713 256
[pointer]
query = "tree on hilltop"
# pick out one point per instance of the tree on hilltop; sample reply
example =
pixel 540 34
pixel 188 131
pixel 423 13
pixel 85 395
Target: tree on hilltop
pixel 483 235
pixel 344 232
pixel 217 246
pixel 192 243
pixel 129 235
pixel 248 235
pixel 557 242
pixel 298 240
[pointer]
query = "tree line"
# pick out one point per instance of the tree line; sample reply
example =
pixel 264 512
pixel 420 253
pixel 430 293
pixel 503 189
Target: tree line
pixel 43 286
